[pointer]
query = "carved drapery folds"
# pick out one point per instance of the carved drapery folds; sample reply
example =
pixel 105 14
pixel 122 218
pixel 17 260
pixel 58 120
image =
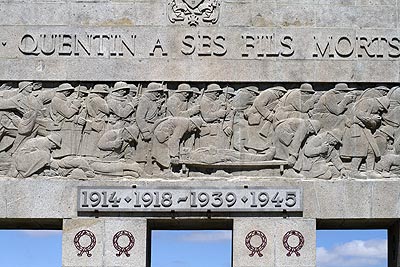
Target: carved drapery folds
pixel 129 130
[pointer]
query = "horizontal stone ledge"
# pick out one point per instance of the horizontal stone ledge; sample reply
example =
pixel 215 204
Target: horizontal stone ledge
pixel 365 223
pixel 325 200
pixel 200 71
pixel 31 224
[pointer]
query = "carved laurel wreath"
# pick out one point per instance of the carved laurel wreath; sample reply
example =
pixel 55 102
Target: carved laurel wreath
pixel 123 250
pixel 88 248
pixel 258 249
pixel 295 249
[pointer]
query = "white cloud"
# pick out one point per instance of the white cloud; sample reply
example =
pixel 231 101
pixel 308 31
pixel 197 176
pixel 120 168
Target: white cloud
pixel 357 253
pixel 206 236
pixel 41 233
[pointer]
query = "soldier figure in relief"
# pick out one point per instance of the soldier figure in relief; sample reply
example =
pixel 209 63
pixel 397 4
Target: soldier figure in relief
pixel 194 102
pixel 63 109
pixel 178 102
pixel 375 92
pixel 213 112
pixel 392 117
pixel 79 119
pixel 168 137
pixel 225 138
pixel 29 104
pixel 358 142
pixel 241 103
pixel 260 118
pixel 133 98
pixel 320 157
pixel 96 120
pixel 289 137
pixel 121 108
pixel 332 105
pixel 297 103
pixel 34 155
pixel 390 154
pixel 117 142
pixel 151 108
pixel 196 96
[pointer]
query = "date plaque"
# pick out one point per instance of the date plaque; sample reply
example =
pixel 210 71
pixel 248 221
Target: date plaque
pixel 126 199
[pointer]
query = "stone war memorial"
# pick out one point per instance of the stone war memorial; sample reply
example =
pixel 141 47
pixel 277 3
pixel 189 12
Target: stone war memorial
pixel 270 118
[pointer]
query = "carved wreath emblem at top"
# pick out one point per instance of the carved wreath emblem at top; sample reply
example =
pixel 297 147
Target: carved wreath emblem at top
pixel 194 11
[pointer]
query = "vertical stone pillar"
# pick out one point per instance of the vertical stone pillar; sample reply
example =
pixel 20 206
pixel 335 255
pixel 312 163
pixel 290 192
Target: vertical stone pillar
pixel 394 245
pixel 108 242
pixel 274 242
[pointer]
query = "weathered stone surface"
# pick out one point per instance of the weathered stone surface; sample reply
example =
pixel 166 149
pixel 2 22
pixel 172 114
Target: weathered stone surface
pixel 93 240
pixel 104 242
pixel 357 17
pixel 322 199
pixel 306 229
pixel 241 254
pixel 39 199
pixel 150 21
pixel 252 235
pixel 137 254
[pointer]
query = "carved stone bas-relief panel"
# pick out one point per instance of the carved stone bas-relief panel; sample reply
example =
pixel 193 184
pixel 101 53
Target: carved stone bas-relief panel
pixel 157 130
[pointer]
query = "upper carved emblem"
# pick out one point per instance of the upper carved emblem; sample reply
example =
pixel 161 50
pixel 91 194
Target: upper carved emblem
pixel 194 11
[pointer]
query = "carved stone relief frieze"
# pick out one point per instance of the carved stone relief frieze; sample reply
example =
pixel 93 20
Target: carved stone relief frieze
pixel 156 130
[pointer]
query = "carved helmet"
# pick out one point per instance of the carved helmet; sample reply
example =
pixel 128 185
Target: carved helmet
pixel 37 86
pixel 184 87
pixel 384 102
pixel 229 90
pixel 279 88
pixel 55 138
pixel 196 91
pixel 120 86
pixel 253 89
pixel 394 94
pixel 5 86
pixel 23 85
pixel 306 87
pixel 154 87
pixel 100 89
pixel 81 89
pixel 65 87
pixel 197 121
pixel 382 88
pixel 343 87
pixel 213 87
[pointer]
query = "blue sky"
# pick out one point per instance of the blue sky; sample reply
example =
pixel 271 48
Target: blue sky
pixel 355 248
pixel 26 248
pixel 352 248
pixel 187 248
